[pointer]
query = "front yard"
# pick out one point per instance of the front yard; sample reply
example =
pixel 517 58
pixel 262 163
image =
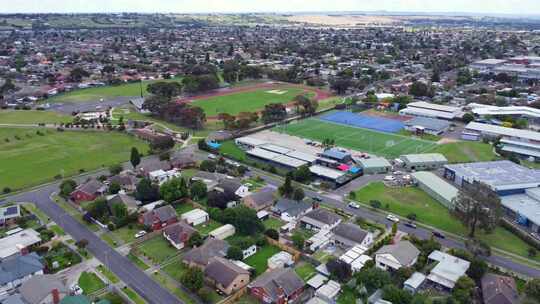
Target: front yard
pixel 90 282
pixel 157 249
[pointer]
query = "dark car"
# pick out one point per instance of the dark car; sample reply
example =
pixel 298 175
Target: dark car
pixel 410 224
pixel 438 234
pixel 317 199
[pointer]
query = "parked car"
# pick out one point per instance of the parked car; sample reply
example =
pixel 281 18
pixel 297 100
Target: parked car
pixel 398 173
pixel 211 156
pixel 140 234
pixel 410 224
pixel 76 289
pixel 389 178
pixel 438 234
pixel 392 218
pixel 317 199
pixel 354 205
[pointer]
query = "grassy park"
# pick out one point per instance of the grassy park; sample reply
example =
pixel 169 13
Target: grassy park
pixel 32 117
pixel 55 153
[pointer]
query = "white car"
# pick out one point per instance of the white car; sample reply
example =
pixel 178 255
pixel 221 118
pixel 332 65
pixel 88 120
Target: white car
pixel 389 178
pixel 354 205
pixel 398 173
pixel 76 289
pixel 392 218
pixel 140 234
pixel 211 156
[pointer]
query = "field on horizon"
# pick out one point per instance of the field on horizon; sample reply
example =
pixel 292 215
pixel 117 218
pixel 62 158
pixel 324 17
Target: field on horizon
pixel 29 159
pixel 362 140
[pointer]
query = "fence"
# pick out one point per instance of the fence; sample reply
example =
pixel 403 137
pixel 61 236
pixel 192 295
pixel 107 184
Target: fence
pixel 234 297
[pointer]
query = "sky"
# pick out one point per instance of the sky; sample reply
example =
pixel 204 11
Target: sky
pixel 518 7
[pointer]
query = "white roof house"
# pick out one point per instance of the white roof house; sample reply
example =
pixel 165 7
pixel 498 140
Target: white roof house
pixel 280 260
pixel 14 243
pixel 161 176
pixel 328 291
pixel 195 217
pixel 449 269
pixel 414 282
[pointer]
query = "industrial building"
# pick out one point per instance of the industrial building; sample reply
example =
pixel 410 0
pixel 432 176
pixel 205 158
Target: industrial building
pixel 432 110
pixel 504 177
pixel 522 142
pixel 425 161
pixel 436 187
pixel 524 209
pixel 424 125
pixel 374 165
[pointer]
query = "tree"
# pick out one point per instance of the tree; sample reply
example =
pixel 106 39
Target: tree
pixel 208 165
pixel 468 117
pixel 273 112
pixel 298 240
pixel 235 253
pixel 135 157
pixel 67 186
pixel 114 188
pixel 162 143
pixel 532 288
pixel 373 278
pixel 305 106
pixel 272 233
pixel 116 169
pixel 77 74
pixel 192 279
pixel 174 189
pixel 477 269
pixel 195 240
pixel 119 210
pixel 198 190
pixel 287 188
pixel 396 295
pixel 146 191
pixel 82 243
pixel 340 85
pixel 98 208
pixel 339 269
pixel 419 89
pixel 298 194
pixel 463 290
pixel 302 174
pixel 165 89
pixel 478 206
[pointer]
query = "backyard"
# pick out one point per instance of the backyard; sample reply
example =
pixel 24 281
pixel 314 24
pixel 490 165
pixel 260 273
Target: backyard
pixel 259 260
pixel 58 154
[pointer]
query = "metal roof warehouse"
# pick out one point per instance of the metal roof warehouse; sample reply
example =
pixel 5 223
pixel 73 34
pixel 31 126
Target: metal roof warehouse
pixel 436 187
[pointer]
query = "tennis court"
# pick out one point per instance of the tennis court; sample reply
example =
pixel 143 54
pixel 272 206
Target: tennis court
pixel 364 121
pixel 359 139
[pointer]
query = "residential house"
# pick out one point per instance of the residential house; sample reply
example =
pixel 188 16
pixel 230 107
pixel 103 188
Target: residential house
pixel 195 217
pixel 130 202
pixel 184 161
pixel 320 219
pixel 159 218
pixel 127 182
pixel 448 269
pixel 154 165
pixel 290 210
pixel 279 286
pixel 201 256
pixel 498 289
pixel 348 235
pixel 260 200
pixel 178 234
pixel 43 289
pixel 17 269
pixel 210 179
pixel 88 191
pixel 18 243
pixel 226 275
pixel 232 189
pixel 9 214
pixel 395 256
pixel 161 176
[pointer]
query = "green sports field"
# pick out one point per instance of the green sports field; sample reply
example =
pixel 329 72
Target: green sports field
pixel 29 159
pixel 32 117
pixel 362 140
pixel 249 101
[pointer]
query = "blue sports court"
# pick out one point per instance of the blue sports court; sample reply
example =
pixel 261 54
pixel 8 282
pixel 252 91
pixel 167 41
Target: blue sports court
pixel 364 121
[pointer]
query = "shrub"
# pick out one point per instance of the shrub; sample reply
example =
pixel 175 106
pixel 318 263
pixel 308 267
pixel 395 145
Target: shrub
pixel 411 216
pixel 272 233
pixel 6 190
pixel 375 204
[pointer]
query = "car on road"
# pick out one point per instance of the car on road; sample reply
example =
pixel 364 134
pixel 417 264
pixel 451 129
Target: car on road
pixel 211 156
pixel 317 199
pixel 140 234
pixel 410 224
pixel 398 173
pixel 438 234
pixel 392 218
pixel 389 178
pixel 354 205
pixel 76 289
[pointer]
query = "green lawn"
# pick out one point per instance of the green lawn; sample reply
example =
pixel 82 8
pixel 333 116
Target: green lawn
pixel 363 140
pixel 31 207
pixel 108 274
pixel 133 295
pixel 229 148
pixel 32 117
pixel 93 94
pixel 22 152
pixel 108 239
pixel 259 260
pixel 183 208
pixel 172 287
pixel 157 249
pixel 138 262
pixel 175 269
pixel 403 201
pixel 205 228
pixel 246 101
pixel 126 234
pixel 57 230
pixel 347 296
pixel 466 151
pixel 90 282
pixel 305 271
pixel 113 298
pixel 273 223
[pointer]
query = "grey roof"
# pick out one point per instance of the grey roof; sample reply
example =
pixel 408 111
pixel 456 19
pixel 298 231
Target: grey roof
pixel 281 278
pixel 163 214
pixel 229 185
pixel 179 232
pixel 350 231
pixel 223 271
pixel 526 205
pixel 374 162
pixel 210 249
pixel 123 180
pixel 293 208
pixel 497 289
pixel 403 251
pixel 423 158
pixel 335 153
pixel 124 199
pixel 91 186
pixel 153 165
pixel 35 289
pixel 323 216
pixel 500 175
pixel 183 159
pixel 436 184
pixel 19 266
pixel 264 197
pixel 429 123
